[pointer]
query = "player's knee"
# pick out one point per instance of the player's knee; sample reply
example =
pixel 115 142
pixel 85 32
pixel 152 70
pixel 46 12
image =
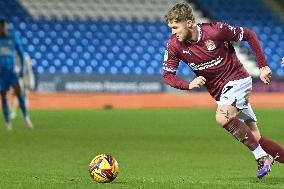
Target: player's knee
pixel 222 120
pixel 17 90
pixel 224 114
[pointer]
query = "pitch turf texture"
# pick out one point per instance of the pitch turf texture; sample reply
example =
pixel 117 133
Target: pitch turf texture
pixel 155 149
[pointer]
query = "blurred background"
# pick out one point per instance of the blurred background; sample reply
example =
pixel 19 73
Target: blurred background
pixel 102 47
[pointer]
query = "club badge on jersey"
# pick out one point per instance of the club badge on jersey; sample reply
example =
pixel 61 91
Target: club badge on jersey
pixel 210 45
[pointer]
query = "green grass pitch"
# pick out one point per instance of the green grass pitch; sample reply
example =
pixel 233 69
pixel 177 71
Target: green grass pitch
pixel 161 148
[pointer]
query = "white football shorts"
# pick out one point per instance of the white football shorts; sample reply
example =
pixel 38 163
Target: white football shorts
pixel 236 93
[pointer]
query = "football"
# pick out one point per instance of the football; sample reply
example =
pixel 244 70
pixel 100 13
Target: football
pixel 103 168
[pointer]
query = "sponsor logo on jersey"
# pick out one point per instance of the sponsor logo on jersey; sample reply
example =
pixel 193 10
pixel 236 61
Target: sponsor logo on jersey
pixel 210 45
pixel 206 65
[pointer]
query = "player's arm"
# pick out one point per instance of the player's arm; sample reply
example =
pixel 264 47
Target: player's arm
pixel 171 79
pixel 21 53
pixel 229 33
pixel 265 71
pixel 170 65
pixel 29 71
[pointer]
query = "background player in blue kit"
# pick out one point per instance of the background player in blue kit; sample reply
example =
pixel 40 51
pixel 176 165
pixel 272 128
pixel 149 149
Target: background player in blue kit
pixel 10 45
pixel 27 83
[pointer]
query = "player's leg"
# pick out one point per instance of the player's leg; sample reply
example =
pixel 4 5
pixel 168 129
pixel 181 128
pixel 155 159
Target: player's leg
pixel 23 105
pixel 5 109
pixel 234 97
pixel 270 146
pixel 13 105
pixel 226 117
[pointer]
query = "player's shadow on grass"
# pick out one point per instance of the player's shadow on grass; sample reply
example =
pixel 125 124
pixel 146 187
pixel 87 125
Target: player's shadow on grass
pixel 264 181
pixel 270 181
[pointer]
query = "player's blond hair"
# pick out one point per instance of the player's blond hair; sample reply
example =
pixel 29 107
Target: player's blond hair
pixel 180 12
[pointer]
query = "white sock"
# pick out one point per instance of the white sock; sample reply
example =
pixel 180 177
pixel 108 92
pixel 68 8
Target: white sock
pixel 259 152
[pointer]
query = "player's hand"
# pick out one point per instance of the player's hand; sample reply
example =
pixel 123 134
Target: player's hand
pixel 265 74
pixel 197 82
pixel 282 62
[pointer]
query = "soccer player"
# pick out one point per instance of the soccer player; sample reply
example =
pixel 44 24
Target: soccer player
pixel 10 44
pixel 207 49
pixel 27 83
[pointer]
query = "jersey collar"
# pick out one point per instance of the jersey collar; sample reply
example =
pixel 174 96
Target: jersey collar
pixel 199 32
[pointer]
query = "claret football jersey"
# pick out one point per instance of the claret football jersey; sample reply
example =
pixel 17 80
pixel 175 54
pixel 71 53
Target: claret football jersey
pixel 211 56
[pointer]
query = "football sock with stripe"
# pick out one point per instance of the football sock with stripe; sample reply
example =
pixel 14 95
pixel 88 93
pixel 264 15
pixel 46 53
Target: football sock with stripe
pixel 243 134
pixel 272 148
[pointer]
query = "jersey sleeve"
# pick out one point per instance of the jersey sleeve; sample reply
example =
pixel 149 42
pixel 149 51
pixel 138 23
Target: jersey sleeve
pixel 254 44
pixel 171 60
pixel 226 32
pixel 170 65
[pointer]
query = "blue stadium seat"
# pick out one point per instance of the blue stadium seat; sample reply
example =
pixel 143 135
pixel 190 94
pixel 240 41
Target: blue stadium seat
pixel 127 47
